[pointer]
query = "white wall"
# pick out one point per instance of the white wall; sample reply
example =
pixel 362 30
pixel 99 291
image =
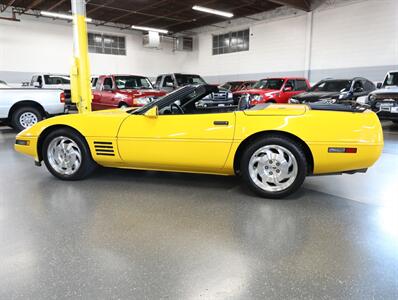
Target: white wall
pixel 34 45
pixel 348 38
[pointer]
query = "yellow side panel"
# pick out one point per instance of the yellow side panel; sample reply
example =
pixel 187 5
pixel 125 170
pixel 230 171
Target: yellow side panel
pixel 320 130
pixel 178 142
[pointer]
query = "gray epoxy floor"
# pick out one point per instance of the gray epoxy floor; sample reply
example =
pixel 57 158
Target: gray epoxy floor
pixel 147 235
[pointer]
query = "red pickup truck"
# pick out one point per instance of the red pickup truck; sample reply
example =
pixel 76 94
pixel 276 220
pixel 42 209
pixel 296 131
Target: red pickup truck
pixel 273 90
pixel 113 91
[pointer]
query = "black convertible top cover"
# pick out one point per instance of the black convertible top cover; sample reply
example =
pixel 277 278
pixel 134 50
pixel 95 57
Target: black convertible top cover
pixel 336 107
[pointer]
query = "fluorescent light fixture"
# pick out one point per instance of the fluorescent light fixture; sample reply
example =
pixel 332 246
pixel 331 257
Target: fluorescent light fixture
pixel 213 11
pixel 60 16
pixel 143 28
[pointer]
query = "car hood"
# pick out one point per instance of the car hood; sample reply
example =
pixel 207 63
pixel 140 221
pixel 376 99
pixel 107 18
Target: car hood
pixel 315 96
pixel 386 90
pixel 142 92
pixel 277 110
pixel 256 92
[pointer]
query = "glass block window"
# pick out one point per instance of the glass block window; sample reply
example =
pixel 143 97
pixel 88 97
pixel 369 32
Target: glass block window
pixel 106 44
pixel 231 42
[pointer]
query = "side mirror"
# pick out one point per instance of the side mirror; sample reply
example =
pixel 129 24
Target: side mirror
pixel 107 88
pixel 288 89
pixel 37 84
pixel 244 103
pixel 152 112
pixel 379 85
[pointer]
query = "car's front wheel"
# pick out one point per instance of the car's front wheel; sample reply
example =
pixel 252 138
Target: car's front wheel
pixel 67 156
pixel 274 166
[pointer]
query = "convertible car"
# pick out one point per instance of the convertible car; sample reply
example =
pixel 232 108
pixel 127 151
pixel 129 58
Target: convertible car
pixel 272 147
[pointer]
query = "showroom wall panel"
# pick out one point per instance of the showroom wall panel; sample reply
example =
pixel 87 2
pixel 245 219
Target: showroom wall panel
pixel 358 39
pixel 276 47
pixel 279 45
pixel 39 45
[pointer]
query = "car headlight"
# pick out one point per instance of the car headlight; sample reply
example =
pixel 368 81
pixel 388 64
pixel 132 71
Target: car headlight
pixel 142 100
pixel 293 101
pixel 372 97
pixel 230 95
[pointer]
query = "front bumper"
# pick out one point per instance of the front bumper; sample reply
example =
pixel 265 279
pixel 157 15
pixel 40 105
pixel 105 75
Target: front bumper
pixel 27 145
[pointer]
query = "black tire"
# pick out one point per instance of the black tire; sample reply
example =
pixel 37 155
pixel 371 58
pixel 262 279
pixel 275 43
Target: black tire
pixel 16 116
pixel 291 145
pixel 124 105
pixel 87 166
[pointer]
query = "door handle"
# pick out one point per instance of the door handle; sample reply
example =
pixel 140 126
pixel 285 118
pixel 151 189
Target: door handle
pixel 220 122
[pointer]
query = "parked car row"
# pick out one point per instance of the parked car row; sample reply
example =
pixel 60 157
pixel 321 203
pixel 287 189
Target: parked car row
pixel 46 94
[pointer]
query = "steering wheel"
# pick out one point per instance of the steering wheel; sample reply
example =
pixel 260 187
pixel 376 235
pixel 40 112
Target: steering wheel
pixel 179 108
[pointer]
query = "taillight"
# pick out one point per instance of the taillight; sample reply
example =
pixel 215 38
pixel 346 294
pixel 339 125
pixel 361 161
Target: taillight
pixel 62 97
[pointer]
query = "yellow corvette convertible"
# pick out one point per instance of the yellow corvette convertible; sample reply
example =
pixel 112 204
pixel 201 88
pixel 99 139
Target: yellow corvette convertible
pixel 272 147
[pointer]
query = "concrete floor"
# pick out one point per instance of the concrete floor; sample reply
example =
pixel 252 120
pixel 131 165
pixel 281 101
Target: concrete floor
pixel 147 235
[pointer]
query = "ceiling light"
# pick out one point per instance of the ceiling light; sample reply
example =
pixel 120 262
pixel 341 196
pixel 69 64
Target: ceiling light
pixel 213 11
pixel 60 16
pixel 149 29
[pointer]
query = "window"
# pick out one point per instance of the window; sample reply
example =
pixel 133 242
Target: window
pixel 158 81
pixel 108 83
pixel 290 83
pixel 168 81
pixel 301 85
pixel 231 42
pixel 184 79
pixel 106 44
pixel 56 79
pixel 132 82
pixel 332 86
pixel 369 86
pixel 269 84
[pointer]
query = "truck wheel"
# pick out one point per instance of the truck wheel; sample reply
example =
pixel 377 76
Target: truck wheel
pixel 25 117
pixel 274 166
pixel 67 155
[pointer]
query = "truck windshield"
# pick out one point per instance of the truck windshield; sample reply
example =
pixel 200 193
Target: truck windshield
pixel 391 79
pixel 185 79
pixel 56 79
pixel 332 86
pixel 268 84
pixel 132 82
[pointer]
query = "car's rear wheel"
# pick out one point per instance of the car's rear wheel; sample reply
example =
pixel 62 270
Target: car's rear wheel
pixel 274 166
pixel 25 117
pixel 67 156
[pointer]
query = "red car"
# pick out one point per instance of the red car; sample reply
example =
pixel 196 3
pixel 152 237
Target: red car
pixel 273 90
pixel 113 91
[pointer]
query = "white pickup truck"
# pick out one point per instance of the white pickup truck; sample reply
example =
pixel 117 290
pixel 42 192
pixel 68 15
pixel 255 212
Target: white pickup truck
pixel 24 107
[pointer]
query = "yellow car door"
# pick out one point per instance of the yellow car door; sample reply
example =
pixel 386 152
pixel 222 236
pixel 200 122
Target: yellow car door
pixel 192 143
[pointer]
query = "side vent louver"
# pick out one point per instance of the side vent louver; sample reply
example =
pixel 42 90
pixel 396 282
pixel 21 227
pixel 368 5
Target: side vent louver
pixel 104 148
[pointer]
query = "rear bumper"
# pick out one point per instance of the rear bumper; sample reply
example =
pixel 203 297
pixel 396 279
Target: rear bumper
pixel 326 163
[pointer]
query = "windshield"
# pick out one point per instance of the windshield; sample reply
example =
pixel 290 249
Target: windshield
pixel 332 86
pixel 268 84
pixel 56 79
pixel 132 82
pixel 391 79
pixel 231 85
pixel 185 79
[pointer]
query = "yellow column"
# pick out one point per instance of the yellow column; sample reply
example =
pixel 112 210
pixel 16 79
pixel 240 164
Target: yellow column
pixel 80 71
